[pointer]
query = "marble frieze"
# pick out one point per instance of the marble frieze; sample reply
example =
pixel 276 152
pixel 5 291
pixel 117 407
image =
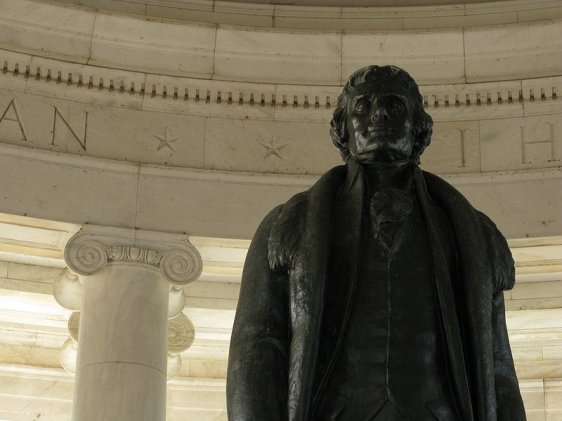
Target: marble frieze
pixel 236 126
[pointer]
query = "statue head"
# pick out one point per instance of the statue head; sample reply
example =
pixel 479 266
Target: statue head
pixel 380 117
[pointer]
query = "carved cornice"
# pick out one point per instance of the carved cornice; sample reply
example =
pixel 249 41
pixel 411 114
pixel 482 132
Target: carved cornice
pixel 94 247
pixel 174 94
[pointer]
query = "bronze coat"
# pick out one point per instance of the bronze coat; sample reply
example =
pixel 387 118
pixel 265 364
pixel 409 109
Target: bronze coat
pixel 292 314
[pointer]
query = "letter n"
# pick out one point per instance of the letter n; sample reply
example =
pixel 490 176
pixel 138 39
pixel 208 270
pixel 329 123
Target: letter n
pixel 58 115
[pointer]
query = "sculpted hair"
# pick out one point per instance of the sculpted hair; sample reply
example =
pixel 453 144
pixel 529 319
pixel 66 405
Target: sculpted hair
pixel 423 123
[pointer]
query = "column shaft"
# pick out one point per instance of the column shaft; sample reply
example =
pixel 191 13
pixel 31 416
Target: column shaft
pixel 122 345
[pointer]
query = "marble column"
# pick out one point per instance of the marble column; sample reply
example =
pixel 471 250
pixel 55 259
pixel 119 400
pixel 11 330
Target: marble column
pixel 129 286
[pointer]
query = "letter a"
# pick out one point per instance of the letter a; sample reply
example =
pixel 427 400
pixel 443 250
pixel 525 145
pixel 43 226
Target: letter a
pixel 17 118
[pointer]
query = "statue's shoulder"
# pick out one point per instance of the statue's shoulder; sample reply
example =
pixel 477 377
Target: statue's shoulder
pixel 292 218
pixel 497 249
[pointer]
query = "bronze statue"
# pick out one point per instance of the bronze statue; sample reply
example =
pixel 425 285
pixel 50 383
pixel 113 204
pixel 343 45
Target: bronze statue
pixel 378 293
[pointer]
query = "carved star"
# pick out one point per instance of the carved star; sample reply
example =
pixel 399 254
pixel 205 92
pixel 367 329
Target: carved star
pixel 165 141
pixel 272 149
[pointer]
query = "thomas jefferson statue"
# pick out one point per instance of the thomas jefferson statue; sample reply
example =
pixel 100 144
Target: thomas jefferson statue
pixel 378 293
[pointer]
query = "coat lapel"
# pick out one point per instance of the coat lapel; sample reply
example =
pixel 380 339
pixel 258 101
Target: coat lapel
pixel 475 263
pixel 306 289
pixel 446 298
pixel 345 254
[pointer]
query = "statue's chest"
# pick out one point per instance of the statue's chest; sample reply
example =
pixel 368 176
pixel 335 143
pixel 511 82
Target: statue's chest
pixel 392 343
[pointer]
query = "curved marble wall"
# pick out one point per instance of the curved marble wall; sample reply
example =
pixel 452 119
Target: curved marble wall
pixel 202 128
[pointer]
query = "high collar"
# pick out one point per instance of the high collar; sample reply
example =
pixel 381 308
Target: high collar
pixel 357 174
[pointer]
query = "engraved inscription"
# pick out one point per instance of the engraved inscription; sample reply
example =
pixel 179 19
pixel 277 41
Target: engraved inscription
pixel 166 140
pixel 272 148
pixel 455 148
pixel 16 117
pixel 57 116
pixel 462 148
pixel 527 144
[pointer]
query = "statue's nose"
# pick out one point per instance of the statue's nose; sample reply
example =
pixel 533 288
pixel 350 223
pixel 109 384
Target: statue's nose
pixel 380 114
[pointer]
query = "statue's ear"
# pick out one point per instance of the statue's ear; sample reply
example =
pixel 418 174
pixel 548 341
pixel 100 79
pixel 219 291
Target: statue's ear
pixel 422 133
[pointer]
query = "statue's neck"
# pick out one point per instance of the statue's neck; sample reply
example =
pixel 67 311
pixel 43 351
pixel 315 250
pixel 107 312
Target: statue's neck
pixel 397 175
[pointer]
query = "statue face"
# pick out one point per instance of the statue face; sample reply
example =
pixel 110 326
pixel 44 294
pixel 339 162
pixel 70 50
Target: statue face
pixel 380 122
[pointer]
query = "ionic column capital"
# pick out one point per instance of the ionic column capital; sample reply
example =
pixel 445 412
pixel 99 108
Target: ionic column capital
pixel 94 247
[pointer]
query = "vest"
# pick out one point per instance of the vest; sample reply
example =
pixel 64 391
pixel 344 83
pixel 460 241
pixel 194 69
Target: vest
pixel 391 364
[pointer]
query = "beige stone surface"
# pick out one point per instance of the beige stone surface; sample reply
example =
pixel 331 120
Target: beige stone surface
pixel 497 194
pixel 553 400
pixel 172 139
pixel 170 46
pixel 28 392
pixel 521 143
pixel 106 133
pixel 310 17
pixel 197 211
pixel 454 148
pixel 117 383
pixel 546 13
pixel 352 16
pixel 47 189
pixel 430 56
pixel 126 43
pixel 533 399
pixel 283 57
pixel 66 34
pixel 4 269
pixel 123 305
pixel 499 53
pixel 271 147
pixel 218 12
pixel 463 19
pixel 138 194
pixel 163 135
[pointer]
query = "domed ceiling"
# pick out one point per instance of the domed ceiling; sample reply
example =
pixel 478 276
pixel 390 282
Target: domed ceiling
pixel 367 3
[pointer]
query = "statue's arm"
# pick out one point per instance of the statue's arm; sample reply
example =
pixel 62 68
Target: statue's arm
pixel 508 396
pixel 257 378
pixel 509 403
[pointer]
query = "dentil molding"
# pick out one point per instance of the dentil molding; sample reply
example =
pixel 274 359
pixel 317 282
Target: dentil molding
pixel 261 101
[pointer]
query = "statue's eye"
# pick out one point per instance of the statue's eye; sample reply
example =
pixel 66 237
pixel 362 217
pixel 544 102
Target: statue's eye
pixel 360 107
pixel 398 106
